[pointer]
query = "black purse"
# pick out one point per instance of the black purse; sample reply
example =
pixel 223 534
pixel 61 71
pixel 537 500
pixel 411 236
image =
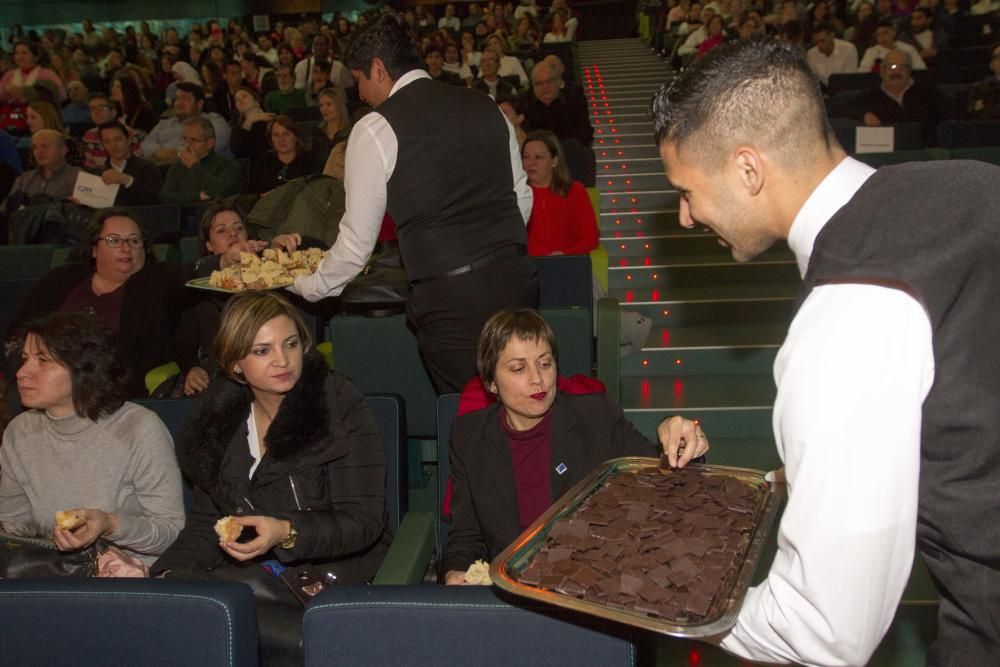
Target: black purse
pixel 381 289
pixel 39 557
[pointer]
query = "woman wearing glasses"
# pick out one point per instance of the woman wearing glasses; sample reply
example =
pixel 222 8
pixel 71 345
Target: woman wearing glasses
pixel 137 298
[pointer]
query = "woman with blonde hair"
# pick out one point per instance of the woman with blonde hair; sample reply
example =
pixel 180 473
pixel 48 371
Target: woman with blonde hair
pixel 329 140
pixel 292 453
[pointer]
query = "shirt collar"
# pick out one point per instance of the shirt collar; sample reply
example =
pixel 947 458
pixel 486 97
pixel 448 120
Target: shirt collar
pixel 407 79
pixel 829 197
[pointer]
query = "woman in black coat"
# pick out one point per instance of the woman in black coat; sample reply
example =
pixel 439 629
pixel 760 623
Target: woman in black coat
pixel 512 460
pixel 289 449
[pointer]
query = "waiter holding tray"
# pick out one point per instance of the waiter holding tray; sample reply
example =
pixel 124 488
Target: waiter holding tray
pixel 887 415
pixel 445 164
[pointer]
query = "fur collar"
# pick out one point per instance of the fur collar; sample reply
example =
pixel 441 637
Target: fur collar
pixel 302 422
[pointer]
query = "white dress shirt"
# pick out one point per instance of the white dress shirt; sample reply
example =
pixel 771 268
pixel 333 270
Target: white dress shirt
pixel 844 58
pixel 370 161
pixel 879 52
pixel 852 376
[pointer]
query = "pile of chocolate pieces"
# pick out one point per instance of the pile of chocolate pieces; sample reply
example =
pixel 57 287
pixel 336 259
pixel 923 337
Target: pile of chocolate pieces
pixel 664 544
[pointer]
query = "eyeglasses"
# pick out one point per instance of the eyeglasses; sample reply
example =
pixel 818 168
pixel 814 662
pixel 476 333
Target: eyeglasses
pixel 115 240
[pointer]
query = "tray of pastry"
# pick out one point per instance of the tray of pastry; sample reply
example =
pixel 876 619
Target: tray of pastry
pixel 273 269
pixel 671 551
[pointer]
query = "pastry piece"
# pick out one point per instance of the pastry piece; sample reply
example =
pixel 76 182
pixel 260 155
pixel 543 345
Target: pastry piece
pixel 69 520
pixel 228 529
pixel 478 574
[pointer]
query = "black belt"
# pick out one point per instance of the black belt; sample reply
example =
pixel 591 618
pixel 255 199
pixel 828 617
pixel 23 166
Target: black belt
pixel 499 255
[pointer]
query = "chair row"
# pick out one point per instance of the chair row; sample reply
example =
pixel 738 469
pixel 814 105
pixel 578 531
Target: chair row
pixel 85 622
pixel 955 139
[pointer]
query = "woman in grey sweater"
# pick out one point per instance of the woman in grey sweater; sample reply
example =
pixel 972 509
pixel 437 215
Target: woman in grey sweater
pixel 82 448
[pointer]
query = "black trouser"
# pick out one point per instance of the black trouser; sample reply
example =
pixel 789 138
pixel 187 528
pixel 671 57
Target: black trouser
pixel 448 314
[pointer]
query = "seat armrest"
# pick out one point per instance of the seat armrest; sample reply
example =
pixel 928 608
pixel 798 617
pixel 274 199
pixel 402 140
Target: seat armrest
pixel 410 552
pixel 609 346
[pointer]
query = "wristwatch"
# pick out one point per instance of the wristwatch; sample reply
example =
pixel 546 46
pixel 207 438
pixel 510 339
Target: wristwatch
pixel 289 541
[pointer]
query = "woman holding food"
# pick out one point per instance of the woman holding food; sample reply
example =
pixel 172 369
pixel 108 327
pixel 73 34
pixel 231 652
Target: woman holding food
pixel 510 461
pixel 80 448
pixel 292 452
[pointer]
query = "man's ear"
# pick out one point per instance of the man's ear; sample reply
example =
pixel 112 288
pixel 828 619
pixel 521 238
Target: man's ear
pixel 378 71
pixel 749 169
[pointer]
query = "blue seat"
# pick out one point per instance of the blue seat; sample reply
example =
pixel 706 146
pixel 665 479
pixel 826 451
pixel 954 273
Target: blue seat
pixel 565 280
pixel 456 626
pixel 149 622
pixel 173 412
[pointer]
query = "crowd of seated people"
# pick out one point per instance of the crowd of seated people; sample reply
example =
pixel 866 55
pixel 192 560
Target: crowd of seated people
pixel 938 43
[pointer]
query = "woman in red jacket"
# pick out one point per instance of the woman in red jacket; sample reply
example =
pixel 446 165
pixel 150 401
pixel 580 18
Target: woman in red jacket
pixel 562 218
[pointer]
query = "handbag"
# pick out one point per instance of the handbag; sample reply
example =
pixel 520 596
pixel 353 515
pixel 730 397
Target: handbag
pixel 39 557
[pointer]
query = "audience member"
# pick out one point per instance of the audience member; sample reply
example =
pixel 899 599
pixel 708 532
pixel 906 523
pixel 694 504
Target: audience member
pixel 51 176
pixel 885 41
pixel 44 116
pixel 249 135
pixel 535 422
pixel 136 112
pixel 119 279
pixel 287 159
pixel 523 43
pixel 76 111
pixel 901 100
pixel 329 141
pixel 474 17
pixel 697 35
pixel 562 217
pixel 287 96
pixel 138 180
pixel 256 75
pixel 102 109
pixel 200 173
pixel 984 96
pixel 222 227
pixel 279 409
pixel 225 105
pixel 489 80
pixel 830 55
pixel 449 20
pixel 470 50
pixel 80 447
pixel 453 63
pixel 558 30
pixel 214 87
pixel 320 82
pixel 714 35
pixel 434 60
pixel 924 36
pixel 164 142
pixel 183 73
pixel 27 72
pixel 509 65
pixel 551 108
pixel 265 48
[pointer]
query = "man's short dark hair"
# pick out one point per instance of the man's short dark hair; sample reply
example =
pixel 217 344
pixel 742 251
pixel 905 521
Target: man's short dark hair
pixel 79 341
pixel 433 48
pixel 112 125
pixel 192 89
pixel 229 62
pixel 928 14
pixel 886 23
pixel 754 91
pixel 387 39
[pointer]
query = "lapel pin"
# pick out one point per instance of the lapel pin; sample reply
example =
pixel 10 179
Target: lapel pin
pixel 561 468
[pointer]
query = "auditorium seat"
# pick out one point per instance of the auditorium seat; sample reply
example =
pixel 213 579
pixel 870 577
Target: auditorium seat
pixel 20 268
pixel 150 622
pixel 969 133
pixel 457 626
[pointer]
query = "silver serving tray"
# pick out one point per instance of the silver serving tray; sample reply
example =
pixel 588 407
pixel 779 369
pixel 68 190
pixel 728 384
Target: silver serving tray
pixel 725 606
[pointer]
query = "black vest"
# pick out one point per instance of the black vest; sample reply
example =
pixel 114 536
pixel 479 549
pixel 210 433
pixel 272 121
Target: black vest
pixel 451 193
pixel 932 229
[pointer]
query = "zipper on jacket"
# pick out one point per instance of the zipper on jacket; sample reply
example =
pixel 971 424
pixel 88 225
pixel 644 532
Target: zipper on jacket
pixel 249 504
pixel 295 494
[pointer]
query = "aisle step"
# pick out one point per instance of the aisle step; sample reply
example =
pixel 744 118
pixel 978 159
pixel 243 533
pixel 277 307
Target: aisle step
pixel 704 292
pixel 625 177
pixel 674 247
pixel 646 151
pixel 690 276
pixel 632 202
pixel 717 335
pixel 718 313
pixel 642 222
pixel 749 360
